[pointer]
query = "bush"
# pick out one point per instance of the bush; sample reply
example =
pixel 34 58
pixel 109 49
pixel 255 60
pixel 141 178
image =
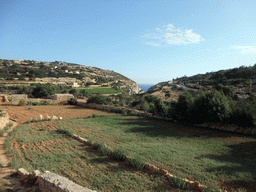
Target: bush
pixel 243 113
pixel 137 163
pixel 44 90
pixel 104 150
pixel 100 99
pixel 33 103
pixel 116 110
pixel 177 182
pixel 75 92
pixel 72 101
pixel 181 110
pixel 118 154
pixel 66 131
pixel 210 107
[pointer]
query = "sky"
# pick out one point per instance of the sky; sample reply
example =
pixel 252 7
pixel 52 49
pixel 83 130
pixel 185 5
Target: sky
pixel 148 41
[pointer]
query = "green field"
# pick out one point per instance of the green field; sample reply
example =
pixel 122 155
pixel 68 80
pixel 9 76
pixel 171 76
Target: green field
pixel 208 156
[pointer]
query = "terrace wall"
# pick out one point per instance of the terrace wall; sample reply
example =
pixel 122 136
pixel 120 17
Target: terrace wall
pixel 17 97
pixel 49 181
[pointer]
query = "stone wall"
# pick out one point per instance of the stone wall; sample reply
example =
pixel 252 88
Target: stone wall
pixel 16 98
pixel 4 119
pixel 49 181
pixel 62 97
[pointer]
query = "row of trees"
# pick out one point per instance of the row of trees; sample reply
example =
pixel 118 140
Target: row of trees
pixel 218 106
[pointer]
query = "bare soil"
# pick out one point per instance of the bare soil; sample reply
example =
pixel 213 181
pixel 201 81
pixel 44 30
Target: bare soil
pixel 24 113
pixel 9 178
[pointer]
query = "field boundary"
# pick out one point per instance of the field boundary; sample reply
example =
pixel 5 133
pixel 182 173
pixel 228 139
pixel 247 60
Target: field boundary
pixel 192 185
pixel 217 126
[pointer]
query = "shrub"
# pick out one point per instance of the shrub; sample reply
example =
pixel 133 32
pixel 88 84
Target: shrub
pixel 44 90
pixel 243 114
pixel 72 101
pixel 28 121
pixel 210 107
pixel 2 132
pixel 181 110
pixel 119 154
pixel 116 110
pixel 104 150
pixel 96 145
pixel 177 182
pixel 137 163
pixel 66 131
pixel 100 99
pixel 75 92
pixel 45 103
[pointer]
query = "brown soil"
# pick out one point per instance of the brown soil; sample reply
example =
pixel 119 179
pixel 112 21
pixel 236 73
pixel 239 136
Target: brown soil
pixel 21 114
pixel 24 113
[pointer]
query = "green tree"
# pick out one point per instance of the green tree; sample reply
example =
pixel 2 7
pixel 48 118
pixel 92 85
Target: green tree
pixel 44 90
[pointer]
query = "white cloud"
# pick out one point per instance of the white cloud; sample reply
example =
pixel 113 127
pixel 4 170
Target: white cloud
pixel 246 49
pixel 170 35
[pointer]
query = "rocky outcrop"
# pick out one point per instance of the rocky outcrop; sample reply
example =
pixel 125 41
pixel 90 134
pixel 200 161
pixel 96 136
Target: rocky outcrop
pixel 4 119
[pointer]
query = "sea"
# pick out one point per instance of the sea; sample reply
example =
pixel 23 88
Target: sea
pixel 145 87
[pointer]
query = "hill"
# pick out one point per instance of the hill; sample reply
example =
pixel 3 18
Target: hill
pixel 65 73
pixel 241 78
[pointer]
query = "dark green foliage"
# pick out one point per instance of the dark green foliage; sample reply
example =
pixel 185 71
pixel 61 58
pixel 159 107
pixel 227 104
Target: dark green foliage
pixel 66 131
pixel 137 163
pixel 24 90
pixel 72 101
pixel 157 105
pixel 227 90
pixel 181 110
pixel 116 110
pixel 44 90
pixel 252 97
pixel 243 113
pixel 177 182
pixel 118 154
pixel 104 149
pixel 100 99
pixel 210 107
pixel 75 92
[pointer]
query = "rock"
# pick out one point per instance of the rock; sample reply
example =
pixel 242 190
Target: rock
pixel 54 117
pixel 35 173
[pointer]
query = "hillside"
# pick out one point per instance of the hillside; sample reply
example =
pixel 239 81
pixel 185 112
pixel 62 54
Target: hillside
pixel 64 73
pixel 241 78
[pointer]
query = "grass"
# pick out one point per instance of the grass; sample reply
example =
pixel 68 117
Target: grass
pixel 191 152
pixel 199 155
pixel 102 90
pixel 79 162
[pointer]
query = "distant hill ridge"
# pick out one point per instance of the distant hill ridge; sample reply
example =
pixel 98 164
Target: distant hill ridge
pixel 65 72
pixel 240 76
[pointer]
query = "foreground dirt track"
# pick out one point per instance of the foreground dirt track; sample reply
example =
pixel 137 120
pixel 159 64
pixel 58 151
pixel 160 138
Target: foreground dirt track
pixel 24 113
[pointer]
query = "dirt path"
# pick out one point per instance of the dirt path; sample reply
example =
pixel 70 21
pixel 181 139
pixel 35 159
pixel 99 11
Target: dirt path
pixel 9 180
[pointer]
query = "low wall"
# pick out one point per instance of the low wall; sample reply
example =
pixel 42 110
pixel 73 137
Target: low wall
pixel 49 181
pixel 4 119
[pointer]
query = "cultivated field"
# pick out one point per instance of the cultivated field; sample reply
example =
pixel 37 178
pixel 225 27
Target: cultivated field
pixel 216 159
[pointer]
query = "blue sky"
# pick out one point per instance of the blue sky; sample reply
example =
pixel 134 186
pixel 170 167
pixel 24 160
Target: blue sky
pixel 147 41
